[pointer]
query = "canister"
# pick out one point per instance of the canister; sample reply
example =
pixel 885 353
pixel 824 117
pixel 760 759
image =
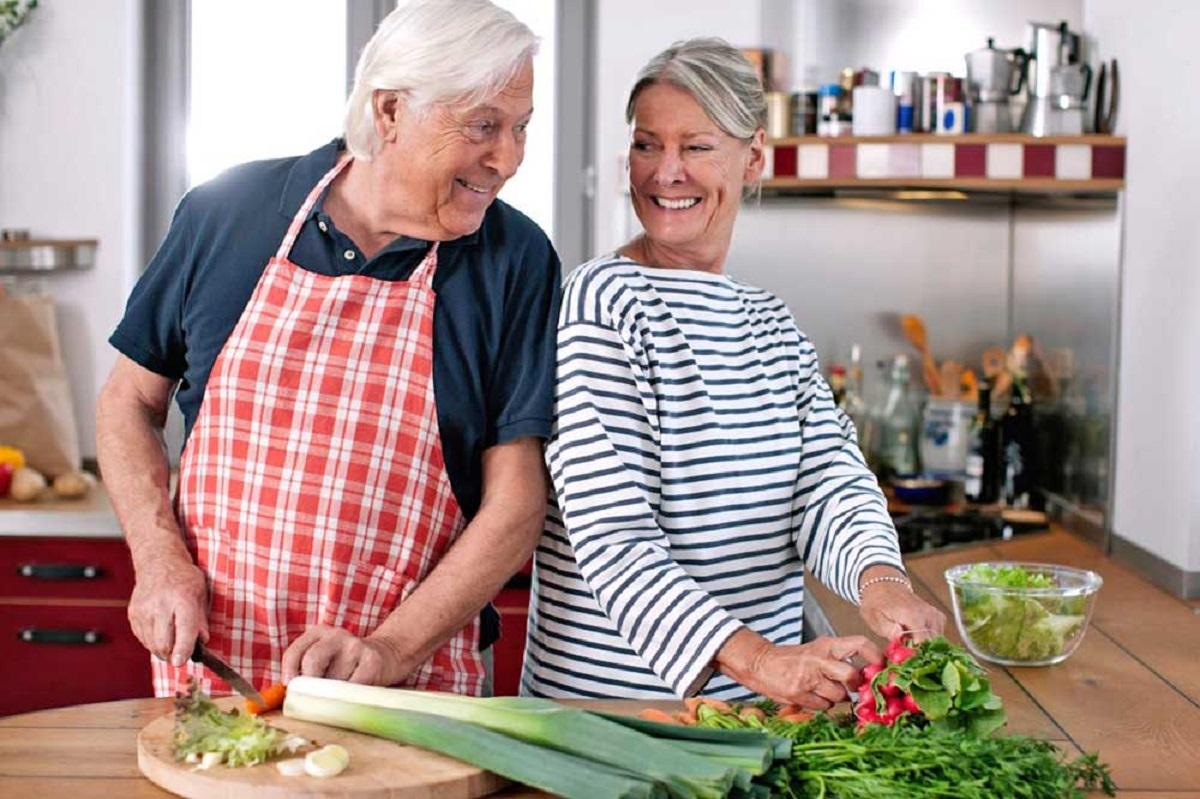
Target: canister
pixel 779 115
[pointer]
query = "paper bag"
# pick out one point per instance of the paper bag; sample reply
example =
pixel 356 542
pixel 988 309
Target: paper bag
pixel 35 396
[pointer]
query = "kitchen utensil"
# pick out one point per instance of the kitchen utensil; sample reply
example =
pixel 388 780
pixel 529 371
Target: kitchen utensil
pixel 1049 46
pixel 993 76
pixel 1023 626
pixel 227 673
pixel 1107 97
pixel 914 330
pixel 874 111
pixel 378 768
pixel 926 491
pixel 950 378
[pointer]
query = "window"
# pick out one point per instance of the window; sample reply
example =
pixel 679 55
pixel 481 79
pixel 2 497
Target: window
pixel 267 80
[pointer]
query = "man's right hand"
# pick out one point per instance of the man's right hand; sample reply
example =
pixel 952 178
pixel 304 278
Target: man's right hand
pixel 168 609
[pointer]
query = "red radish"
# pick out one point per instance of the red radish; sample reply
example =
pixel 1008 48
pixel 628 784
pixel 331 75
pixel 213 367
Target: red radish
pixel 889 689
pixel 901 653
pixel 895 709
pixel 910 704
pixel 870 670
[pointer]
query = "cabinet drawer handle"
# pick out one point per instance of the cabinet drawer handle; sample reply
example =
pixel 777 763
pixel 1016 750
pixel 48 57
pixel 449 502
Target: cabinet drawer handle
pixel 59 571
pixel 33 635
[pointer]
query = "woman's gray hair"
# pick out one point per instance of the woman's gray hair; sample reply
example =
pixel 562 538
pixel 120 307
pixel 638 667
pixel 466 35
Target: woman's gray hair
pixel 717 76
pixel 435 51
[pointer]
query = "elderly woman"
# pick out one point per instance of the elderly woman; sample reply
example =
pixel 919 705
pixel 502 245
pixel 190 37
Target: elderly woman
pixel 698 461
pixel 361 342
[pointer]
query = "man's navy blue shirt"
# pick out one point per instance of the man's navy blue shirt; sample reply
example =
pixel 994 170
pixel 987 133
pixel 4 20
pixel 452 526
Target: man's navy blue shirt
pixel 494 321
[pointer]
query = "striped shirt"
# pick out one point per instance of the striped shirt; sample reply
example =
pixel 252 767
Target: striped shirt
pixel 699 465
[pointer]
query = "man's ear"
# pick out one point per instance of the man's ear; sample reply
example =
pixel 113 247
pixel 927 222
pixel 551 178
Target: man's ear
pixel 388 106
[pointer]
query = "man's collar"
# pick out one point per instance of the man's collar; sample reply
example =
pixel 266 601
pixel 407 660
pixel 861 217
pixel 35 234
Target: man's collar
pixel 308 171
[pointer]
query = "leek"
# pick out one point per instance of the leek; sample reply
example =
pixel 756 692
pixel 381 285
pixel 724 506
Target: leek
pixel 548 770
pixel 546 726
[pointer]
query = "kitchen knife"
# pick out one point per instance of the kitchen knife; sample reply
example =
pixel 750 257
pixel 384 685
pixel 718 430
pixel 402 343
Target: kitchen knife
pixel 227 673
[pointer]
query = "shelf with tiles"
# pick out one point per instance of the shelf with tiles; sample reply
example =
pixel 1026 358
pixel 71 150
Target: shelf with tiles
pixel 1013 163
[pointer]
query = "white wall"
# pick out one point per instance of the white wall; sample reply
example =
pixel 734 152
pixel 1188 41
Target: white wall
pixel 1158 424
pixel 629 33
pixel 69 145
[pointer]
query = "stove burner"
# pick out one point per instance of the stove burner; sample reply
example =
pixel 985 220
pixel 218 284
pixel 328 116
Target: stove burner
pixel 924 531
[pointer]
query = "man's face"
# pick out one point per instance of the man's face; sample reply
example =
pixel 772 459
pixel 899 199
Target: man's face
pixel 456 158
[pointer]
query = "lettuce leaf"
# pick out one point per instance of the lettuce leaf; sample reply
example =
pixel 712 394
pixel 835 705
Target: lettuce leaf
pixel 241 739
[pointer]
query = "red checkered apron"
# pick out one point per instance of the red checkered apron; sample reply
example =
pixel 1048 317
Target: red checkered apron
pixel 313 488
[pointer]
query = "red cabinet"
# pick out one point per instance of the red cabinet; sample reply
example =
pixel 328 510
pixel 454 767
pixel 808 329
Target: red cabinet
pixel 64 635
pixel 513 606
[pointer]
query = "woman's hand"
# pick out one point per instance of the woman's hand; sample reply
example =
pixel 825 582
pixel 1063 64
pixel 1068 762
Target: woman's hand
pixel 891 608
pixel 816 675
pixel 326 651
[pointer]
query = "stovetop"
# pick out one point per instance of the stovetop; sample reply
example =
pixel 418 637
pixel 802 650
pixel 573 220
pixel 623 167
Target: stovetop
pixel 923 531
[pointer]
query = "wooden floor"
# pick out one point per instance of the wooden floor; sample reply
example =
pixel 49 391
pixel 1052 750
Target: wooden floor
pixel 1132 689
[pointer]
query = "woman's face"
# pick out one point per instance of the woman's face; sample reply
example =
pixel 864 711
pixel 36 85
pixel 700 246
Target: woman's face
pixel 686 175
pixel 454 159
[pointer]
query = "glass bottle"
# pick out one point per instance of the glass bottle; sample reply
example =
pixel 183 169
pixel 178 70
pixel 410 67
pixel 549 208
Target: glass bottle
pixel 983 453
pixel 899 421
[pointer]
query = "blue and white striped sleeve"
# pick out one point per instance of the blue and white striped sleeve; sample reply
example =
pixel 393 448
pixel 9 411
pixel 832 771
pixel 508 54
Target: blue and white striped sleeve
pixel 604 462
pixel 843 525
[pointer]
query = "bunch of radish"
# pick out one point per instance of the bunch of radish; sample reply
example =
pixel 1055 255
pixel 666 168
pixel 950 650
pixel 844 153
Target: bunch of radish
pixel 880 700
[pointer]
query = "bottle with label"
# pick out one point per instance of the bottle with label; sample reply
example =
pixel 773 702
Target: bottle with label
pixel 837 383
pixel 983 453
pixel 853 404
pixel 1020 448
pixel 898 424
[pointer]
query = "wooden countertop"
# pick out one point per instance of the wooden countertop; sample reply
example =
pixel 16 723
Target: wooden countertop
pixel 91 516
pixel 1131 691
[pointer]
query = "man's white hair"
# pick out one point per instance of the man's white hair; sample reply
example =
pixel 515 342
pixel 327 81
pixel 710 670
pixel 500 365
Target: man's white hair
pixel 435 51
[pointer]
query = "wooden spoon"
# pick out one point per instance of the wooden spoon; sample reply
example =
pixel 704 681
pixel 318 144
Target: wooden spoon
pixel 950 378
pixel 914 330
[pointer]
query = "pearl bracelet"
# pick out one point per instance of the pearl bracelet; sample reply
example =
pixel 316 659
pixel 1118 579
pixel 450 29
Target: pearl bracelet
pixel 890 578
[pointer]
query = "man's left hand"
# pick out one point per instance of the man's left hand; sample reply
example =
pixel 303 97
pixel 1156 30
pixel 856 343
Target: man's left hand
pixel 891 609
pixel 325 651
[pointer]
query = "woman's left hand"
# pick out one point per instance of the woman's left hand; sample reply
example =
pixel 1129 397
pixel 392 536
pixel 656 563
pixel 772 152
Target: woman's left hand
pixel 891 608
pixel 326 651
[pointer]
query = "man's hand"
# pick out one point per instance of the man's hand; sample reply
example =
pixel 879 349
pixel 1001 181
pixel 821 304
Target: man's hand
pixel 891 608
pixel 168 609
pixel 325 651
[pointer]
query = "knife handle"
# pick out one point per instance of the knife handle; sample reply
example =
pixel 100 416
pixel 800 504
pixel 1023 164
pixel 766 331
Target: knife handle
pixel 35 635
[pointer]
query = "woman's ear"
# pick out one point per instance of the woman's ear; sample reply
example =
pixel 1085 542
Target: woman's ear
pixel 758 159
pixel 388 107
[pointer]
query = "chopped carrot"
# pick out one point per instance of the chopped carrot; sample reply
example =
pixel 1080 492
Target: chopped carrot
pixel 273 695
pixel 788 709
pixel 692 703
pixel 654 714
pixel 753 712
pixel 688 718
pixel 796 718
pixel 716 704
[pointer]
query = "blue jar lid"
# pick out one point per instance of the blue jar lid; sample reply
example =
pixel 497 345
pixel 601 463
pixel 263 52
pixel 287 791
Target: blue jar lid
pixel 831 89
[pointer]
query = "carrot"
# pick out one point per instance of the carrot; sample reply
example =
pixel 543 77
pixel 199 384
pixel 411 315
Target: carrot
pixel 796 718
pixel 688 718
pixel 654 714
pixel 692 703
pixel 716 704
pixel 787 709
pixel 748 713
pixel 273 695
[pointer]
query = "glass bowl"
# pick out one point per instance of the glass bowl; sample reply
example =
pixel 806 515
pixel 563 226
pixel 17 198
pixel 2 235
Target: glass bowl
pixel 1023 626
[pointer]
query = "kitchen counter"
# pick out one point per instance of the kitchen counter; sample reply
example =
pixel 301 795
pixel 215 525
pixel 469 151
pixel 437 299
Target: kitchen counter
pixel 88 517
pixel 1131 691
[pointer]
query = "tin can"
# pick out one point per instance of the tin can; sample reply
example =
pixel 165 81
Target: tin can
pixel 779 115
pixel 927 117
pixel 907 88
pixel 804 113
pixel 828 107
pixel 951 106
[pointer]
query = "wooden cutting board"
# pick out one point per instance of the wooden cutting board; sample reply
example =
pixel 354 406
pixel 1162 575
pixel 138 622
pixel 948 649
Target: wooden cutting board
pixel 379 769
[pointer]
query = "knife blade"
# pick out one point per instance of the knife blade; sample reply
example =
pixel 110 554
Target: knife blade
pixel 227 673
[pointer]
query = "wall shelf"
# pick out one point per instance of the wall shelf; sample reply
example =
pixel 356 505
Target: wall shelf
pixel 46 256
pixel 1009 163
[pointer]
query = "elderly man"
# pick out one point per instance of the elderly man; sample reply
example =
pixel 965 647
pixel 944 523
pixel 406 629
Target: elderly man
pixel 361 343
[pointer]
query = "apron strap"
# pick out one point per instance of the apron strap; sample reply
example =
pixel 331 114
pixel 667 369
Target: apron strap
pixel 285 246
pixel 423 274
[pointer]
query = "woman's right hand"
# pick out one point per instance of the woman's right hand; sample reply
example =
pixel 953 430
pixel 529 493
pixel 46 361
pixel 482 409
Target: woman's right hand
pixel 816 675
pixel 167 608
